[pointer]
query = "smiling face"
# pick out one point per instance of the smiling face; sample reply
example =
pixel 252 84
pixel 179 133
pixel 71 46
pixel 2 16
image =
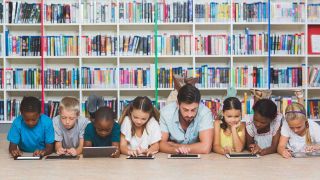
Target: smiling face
pixel 232 116
pixel 139 118
pixel 31 118
pixel 188 111
pixel 104 127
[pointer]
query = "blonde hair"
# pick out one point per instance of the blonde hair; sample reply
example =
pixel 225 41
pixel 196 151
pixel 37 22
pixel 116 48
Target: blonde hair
pixel 297 111
pixel 70 104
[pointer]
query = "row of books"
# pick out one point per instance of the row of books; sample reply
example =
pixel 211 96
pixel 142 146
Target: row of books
pixel 313 108
pixel 174 44
pixel 250 12
pixel 288 11
pixel 214 104
pixel 13 108
pixel 313 12
pixel 51 108
pixel 99 45
pixel 19 12
pixel 212 12
pixel 213 44
pixel 99 11
pixel 136 12
pixel 61 13
pixel 1 13
pixel 313 76
pixel 1 78
pixel 136 45
pixel 62 45
pixel 134 77
pixel 22 45
pixel 251 77
pixel 286 77
pixel 291 44
pixel 23 78
pixel 165 75
pixel 1 110
pixel 212 77
pixel 61 78
pixel 250 43
pixel 175 11
pixel 282 102
pixel 98 77
pixel 246 104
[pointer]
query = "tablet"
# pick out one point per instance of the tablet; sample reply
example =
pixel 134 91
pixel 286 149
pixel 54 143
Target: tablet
pixel 28 158
pixel 242 156
pixel 67 157
pixel 183 156
pixel 92 152
pixel 141 157
pixel 305 154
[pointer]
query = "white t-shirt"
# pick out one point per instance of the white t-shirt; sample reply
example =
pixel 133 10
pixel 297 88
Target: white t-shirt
pixel 150 135
pixel 264 140
pixel 297 143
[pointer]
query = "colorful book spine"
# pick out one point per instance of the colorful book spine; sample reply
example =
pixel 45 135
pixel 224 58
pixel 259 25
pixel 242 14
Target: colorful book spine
pixel 250 12
pixel 95 11
pixel 250 43
pixel 289 44
pixel 51 108
pixel 165 75
pixel 136 11
pixel 134 77
pixel 286 77
pixel 131 45
pixel 282 103
pixel 99 45
pixel 313 11
pixel 247 104
pixel 314 76
pixel 213 45
pixel 174 44
pixel 23 78
pixel 175 11
pixel 110 102
pixel 1 110
pixel 98 77
pixel 313 108
pixel 61 45
pixel 61 13
pixel 212 77
pixel 250 77
pixel 23 13
pixel 288 11
pixel 22 45
pixel 1 13
pixel 61 78
pixel 13 109
pixel 213 11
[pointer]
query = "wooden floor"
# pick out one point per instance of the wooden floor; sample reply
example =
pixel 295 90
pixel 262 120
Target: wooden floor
pixel 210 166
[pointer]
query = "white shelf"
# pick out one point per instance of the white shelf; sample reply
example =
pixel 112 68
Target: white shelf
pixel 61 24
pixel 58 90
pixel 250 23
pixel 313 88
pixel 175 56
pixel 99 89
pixel 25 90
pixel 288 23
pixel 23 25
pixel 23 57
pixel 286 88
pixel 287 55
pixel 99 57
pixel 212 23
pixel 250 55
pixel 248 89
pixel 314 55
pixel 136 89
pixel 136 56
pixel 98 24
pixel 212 56
pixel 6 122
pixel 212 89
pixel 61 57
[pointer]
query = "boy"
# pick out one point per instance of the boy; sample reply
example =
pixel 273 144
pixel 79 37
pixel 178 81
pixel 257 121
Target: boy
pixel 31 131
pixel 69 128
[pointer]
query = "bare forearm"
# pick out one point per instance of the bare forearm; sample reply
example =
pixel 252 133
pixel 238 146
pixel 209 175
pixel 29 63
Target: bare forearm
pixel 218 149
pixel 167 148
pixel 238 144
pixel 49 148
pixel 269 150
pixel 199 148
pixel 12 147
pixel 154 147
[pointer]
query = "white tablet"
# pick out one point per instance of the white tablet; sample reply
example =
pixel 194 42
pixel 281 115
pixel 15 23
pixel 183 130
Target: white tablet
pixel 28 158
pixel 184 156
pixel 141 157
pixel 242 156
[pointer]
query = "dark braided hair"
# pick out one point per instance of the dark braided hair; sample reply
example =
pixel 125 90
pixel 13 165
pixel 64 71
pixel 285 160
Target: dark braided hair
pixel 228 104
pixel 30 104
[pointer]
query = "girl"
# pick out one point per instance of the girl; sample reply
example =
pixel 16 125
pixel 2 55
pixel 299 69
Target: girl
pixel 298 134
pixel 229 132
pixel 140 130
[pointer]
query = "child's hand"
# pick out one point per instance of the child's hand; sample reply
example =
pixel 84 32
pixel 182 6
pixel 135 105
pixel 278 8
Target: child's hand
pixel 227 150
pixel 183 150
pixel 286 153
pixel 39 153
pixel 255 149
pixel 141 151
pixel 61 151
pixel 150 152
pixel 132 153
pixel 310 148
pixel 16 153
pixel 236 125
pixel 116 154
pixel 72 151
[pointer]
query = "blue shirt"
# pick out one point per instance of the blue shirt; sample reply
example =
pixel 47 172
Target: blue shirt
pixel 31 139
pixel 90 134
pixel 169 123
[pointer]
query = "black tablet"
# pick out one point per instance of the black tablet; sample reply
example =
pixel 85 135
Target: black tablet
pixel 67 157
pixel 183 156
pixel 242 156
pixel 141 157
pixel 93 152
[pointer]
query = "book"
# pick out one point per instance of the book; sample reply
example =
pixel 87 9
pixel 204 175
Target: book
pixel 282 102
pixel 98 77
pixel 139 11
pixel 95 11
pixel 2 78
pixel 217 44
pixel 313 108
pixel 25 45
pixel 22 12
pixel 165 75
pixel 51 108
pixel 286 11
pixel 61 78
pixel 174 44
pixel 287 44
pixel 55 13
pixel 313 12
pixel 314 76
pixel 131 45
pixel 2 110
pixel 13 109
pixel 250 77
pixel 214 104
pixel 212 77
pixel 250 11
pixel 99 45
pixel 137 77
pixel 61 45
pixel 213 11
pixel 175 11
pixel 23 78
pixel 286 77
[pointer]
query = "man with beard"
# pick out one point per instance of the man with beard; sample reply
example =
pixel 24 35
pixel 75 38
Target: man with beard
pixel 186 125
